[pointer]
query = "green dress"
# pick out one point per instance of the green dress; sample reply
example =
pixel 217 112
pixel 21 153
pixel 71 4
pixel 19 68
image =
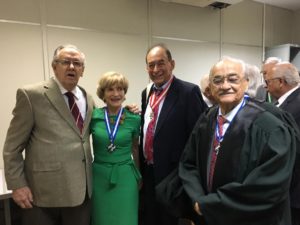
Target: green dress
pixel 115 176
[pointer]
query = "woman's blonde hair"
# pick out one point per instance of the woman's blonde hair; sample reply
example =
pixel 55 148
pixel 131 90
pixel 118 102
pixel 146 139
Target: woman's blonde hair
pixel 110 79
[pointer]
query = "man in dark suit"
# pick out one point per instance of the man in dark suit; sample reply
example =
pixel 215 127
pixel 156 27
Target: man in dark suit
pixel 52 184
pixel 237 164
pixel 283 84
pixel 170 108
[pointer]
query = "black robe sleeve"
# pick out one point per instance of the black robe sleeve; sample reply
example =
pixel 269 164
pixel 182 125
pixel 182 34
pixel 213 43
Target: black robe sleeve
pixel 260 192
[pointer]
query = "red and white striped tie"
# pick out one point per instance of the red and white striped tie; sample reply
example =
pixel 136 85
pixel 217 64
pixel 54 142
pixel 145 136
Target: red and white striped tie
pixel 75 110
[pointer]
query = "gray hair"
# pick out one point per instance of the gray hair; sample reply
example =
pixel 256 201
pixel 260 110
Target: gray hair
pixel 228 58
pixel 272 60
pixel 61 47
pixel 204 82
pixel 252 74
pixel 288 72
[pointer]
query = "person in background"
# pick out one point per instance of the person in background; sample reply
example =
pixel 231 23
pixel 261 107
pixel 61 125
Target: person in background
pixel 283 84
pixel 52 184
pixel 115 134
pixel 252 74
pixel 236 167
pixel 205 91
pixel 266 68
pixel 170 109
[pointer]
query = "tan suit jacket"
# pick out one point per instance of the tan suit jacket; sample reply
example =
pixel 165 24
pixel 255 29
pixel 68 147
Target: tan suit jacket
pixel 57 164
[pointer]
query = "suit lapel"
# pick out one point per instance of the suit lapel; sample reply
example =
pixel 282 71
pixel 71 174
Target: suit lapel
pixel 170 100
pixel 89 107
pixel 232 144
pixel 206 141
pixel 56 99
pixel 289 99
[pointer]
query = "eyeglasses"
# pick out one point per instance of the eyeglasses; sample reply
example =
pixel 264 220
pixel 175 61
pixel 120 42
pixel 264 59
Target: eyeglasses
pixel 159 64
pixel 65 62
pixel 230 78
pixel 267 81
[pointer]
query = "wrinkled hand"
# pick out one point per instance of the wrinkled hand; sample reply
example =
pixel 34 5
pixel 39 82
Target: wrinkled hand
pixel 133 108
pixel 23 197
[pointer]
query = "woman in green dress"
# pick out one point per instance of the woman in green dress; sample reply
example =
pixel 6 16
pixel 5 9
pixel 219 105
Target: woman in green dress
pixel 116 177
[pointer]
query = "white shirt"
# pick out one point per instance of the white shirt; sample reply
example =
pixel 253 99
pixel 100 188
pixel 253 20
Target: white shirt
pixel 229 117
pixel 148 113
pixel 286 95
pixel 79 98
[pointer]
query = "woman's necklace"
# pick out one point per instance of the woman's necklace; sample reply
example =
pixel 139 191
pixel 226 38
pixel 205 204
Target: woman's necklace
pixel 112 131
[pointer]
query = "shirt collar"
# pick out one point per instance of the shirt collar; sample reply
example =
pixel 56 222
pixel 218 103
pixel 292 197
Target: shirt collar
pixel 229 116
pixel 165 84
pixel 75 91
pixel 286 95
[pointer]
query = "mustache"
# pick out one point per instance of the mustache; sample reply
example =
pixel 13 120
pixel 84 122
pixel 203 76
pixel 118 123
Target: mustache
pixel 225 92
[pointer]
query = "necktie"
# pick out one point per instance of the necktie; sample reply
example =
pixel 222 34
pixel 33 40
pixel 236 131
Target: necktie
pixel 151 130
pixel 75 110
pixel 157 90
pixel 215 151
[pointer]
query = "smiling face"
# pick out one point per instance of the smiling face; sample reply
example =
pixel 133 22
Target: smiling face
pixel 68 67
pixel 228 84
pixel 114 96
pixel 159 67
pixel 112 88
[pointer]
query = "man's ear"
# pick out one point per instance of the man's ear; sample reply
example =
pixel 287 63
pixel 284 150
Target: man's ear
pixel 172 63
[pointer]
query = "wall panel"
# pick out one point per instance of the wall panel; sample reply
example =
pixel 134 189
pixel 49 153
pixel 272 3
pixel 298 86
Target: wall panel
pixel 115 34
pixel 21 63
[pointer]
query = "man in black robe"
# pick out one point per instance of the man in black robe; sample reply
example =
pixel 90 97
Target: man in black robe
pixel 283 84
pixel 237 165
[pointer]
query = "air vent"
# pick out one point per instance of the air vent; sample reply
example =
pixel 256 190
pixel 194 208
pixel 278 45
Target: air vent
pixel 205 3
pixel 219 5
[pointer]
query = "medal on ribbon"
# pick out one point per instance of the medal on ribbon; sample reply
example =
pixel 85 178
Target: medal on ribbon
pixel 154 100
pixel 112 133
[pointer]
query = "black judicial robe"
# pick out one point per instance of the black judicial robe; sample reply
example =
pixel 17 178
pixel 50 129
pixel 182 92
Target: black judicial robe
pixel 252 172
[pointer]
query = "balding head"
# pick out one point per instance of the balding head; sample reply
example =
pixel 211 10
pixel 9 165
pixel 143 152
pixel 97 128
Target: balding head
pixel 228 83
pixel 272 60
pixel 268 64
pixel 283 77
pixel 288 72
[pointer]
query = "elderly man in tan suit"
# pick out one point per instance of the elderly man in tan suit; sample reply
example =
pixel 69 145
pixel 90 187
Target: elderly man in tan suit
pixel 53 182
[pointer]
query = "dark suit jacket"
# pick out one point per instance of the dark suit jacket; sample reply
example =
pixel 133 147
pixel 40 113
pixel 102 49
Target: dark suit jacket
pixel 292 105
pixel 252 172
pixel 182 107
pixel 57 166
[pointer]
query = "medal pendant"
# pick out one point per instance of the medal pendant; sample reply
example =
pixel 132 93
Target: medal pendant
pixel 111 147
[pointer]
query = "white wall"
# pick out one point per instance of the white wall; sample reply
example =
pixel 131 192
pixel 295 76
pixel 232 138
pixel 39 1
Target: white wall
pixel 115 34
